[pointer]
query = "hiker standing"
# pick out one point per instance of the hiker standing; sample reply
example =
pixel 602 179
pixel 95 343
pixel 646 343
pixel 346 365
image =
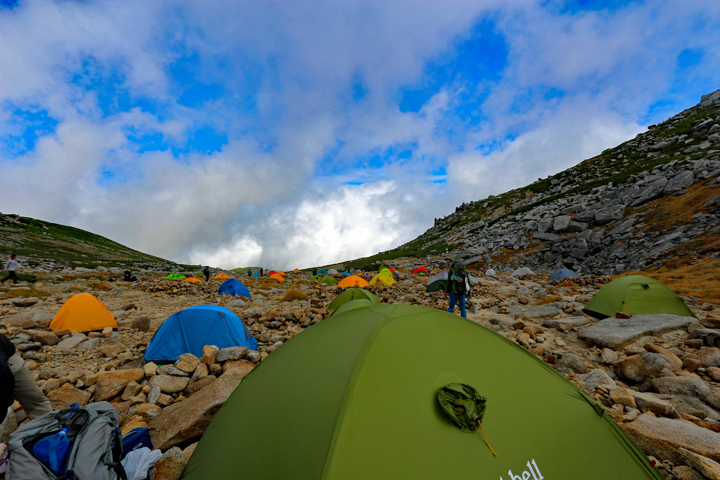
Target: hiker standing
pixel 11 266
pixel 249 273
pixel 457 287
pixel 17 381
pixel 206 271
pixel 261 271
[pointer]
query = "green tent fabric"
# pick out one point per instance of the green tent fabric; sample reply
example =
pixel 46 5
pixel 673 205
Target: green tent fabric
pixel 436 285
pixel 352 294
pixel 638 295
pixel 355 397
pixel 385 271
pixel 314 278
pixel 359 303
pixel 176 276
pixel 328 280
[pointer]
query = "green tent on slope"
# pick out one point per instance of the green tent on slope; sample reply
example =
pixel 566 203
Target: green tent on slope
pixel 638 295
pixel 352 304
pixel 176 276
pixel 436 285
pixel 352 294
pixel 328 280
pixel 356 397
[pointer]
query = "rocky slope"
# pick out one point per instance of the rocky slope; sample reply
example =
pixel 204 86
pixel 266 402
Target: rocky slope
pixel 639 204
pixel 46 246
pixel 659 380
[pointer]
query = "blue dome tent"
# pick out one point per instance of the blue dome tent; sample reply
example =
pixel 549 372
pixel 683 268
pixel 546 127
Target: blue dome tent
pixel 189 330
pixel 561 273
pixel 234 287
pixel 256 275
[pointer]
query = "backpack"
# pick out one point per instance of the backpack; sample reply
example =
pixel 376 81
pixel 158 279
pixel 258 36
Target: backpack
pixel 458 282
pixel 95 445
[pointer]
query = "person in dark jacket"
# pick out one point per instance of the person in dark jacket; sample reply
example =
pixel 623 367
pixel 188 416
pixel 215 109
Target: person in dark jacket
pixel 17 383
pixel 206 271
pixel 261 272
pixel 457 288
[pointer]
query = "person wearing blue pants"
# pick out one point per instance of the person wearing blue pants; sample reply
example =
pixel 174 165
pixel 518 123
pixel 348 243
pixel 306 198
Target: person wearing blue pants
pixel 457 288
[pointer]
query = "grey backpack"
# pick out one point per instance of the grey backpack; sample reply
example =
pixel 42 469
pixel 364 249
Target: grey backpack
pixel 95 445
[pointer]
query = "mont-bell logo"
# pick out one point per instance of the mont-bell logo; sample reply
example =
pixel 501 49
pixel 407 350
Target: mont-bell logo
pixel 532 473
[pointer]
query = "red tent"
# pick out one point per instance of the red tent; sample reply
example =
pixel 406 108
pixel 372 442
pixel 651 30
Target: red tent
pixel 419 269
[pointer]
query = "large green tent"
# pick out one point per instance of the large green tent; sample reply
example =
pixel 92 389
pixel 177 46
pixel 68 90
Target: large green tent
pixel 356 397
pixel 359 303
pixel 638 295
pixel 328 280
pixel 352 294
pixel 176 276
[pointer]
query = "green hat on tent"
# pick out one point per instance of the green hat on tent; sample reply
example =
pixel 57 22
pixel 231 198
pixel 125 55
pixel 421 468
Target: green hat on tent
pixel 355 397
pixel 328 280
pixel 175 276
pixel 637 295
pixel 352 294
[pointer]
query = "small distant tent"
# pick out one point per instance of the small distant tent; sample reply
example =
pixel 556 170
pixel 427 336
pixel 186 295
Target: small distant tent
pixel 189 330
pixel 490 271
pixel 192 279
pixel 418 270
pixel 222 276
pixel 322 271
pixel 638 295
pixel 256 275
pixel 352 294
pixel 282 273
pixel 175 276
pixel 277 277
pixel 83 313
pixel 382 279
pixel 522 271
pixel 297 270
pixel 385 271
pixel 272 272
pixel 332 271
pixel 436 285
pixel 353 304
pixel 353 281
pixel 234 287
pixel 346 273
pixel 561 273
pixel 314 278
pixel 328 280
pixel 362 393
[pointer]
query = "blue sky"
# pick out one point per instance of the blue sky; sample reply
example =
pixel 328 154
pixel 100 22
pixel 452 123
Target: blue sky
pixel 294 134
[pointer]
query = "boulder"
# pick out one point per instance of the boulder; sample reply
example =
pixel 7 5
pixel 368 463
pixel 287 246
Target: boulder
pixel 541 311
pixel 188 419
pixel 24 302
pixel 209 355
pixel 622 396
pixel 573 362
pixel 170 465
pixel 89 344
pixel 647 402
pixel 231 353
pixel 169 383
pixel 709 357
pixel 141 323
pixel 108 388
pixel 22 321
pixel 46 338
pixel 609 214
pixel 237 303
pixel 187 362
pixel 596 378
pixel 66 395
pixel 129 375
pixel 572 321
pixel 561 223
pixel 663 438
pixel 72 342
pixel 679 182
pixel 651 347
pixel 708 468
pixel 681 386
pixel 656 363
pixel 616 333
pixel 631 368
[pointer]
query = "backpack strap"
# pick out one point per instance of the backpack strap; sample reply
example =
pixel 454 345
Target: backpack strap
pixel 117 454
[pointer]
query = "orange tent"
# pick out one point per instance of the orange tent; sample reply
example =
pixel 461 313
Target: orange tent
pixel 222 276
pixel 296 271
pixel 278 277
pixel 353 281
pixel 192 279
pixel 83 313
pixel 282 273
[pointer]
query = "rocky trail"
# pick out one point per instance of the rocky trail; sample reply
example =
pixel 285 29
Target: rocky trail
pixel 657 375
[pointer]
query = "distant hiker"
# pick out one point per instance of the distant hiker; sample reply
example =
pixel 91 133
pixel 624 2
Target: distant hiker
pixel 314 272
pixel 261 271
pixel 458 286
pixel 127 276
pixel 11 266
pixel 206 271
pixel 17 381
pixel 249 273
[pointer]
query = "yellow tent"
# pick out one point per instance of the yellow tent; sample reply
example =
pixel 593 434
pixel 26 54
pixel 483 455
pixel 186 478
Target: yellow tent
pixel 222 276
pixel 83 313
pixel 382 279
pixel 353 281
pixel 278 277
pixel 192 279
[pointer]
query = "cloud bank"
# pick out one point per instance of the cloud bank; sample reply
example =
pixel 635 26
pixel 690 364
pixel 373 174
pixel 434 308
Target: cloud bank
pixel 292 134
